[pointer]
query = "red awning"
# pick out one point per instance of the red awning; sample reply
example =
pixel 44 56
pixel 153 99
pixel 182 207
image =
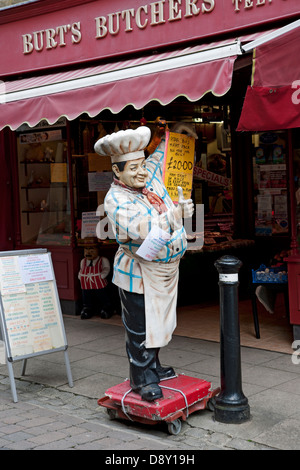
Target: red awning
pixel 272 102
pixel 190 72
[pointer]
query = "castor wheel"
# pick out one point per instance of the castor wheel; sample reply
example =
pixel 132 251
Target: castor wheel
pixel 112 414
pixel 174 427
pixel 211 404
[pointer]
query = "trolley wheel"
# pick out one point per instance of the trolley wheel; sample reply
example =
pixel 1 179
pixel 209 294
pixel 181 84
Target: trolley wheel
pixel 174 427
pixel 211 404
pixel 112 414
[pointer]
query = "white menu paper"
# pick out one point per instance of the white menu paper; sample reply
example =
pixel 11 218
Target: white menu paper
pixel 153 243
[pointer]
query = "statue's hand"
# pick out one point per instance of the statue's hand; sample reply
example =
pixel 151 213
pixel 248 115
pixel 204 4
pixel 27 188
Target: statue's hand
pixel 186 205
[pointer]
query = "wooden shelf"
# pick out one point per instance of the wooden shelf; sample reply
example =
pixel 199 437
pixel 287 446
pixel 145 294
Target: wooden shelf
pixel 39 211
pixel 40 162
pixel 46 186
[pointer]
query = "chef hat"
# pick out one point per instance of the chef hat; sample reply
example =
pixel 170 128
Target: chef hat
pixel 123 146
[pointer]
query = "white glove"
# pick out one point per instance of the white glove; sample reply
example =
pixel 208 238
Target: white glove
pixel 186 205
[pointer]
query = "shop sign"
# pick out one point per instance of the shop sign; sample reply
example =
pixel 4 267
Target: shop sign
pixel 106 28
pixel 202 174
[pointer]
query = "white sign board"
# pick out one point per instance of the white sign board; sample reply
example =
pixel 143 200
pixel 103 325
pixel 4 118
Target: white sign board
pixel 30 312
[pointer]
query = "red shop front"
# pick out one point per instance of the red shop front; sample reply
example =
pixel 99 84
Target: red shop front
pixel 72 69
pixel 272 104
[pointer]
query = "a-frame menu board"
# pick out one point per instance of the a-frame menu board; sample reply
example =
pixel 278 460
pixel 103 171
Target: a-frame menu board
pixel 30 313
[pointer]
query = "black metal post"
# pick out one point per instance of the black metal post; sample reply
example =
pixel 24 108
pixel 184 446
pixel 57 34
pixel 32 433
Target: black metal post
pixel 231 405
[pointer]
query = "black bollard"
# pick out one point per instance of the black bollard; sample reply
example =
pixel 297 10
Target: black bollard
pixel 231 405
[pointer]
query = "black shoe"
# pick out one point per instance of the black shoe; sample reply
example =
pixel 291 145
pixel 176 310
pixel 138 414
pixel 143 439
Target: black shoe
pixel 104 314
pixel 165 372
pixel 86 314
pixel 150 392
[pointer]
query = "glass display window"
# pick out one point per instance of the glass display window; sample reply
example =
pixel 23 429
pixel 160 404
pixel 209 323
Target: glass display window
pixel 92 175
pixel 270 183
pixel 213 175
pixel 44 186
pixel 296 173
pixel 212 178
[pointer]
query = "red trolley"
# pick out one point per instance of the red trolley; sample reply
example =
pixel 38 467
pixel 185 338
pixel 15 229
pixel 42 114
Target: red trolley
pixel 182 395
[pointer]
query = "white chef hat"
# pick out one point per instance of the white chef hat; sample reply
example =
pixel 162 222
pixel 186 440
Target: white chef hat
pixel 123 146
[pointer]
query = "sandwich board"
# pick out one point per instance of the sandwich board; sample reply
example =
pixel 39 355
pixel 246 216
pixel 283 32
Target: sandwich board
pixel 30 313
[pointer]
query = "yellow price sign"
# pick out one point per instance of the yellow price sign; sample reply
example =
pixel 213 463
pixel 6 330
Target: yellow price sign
pixel 179 164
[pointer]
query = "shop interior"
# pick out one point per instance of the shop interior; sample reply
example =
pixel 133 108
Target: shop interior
pixel 246 206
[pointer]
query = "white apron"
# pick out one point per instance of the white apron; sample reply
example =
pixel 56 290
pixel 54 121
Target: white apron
pixel 160 282
pixel 160 293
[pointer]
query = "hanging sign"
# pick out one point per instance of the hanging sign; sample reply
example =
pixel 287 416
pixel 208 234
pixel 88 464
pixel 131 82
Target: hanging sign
pixel 203 174
pixel 100 180
pixel 179 164
pixel 89 224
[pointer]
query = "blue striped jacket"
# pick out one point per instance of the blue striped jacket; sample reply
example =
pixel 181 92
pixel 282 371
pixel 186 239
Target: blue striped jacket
pixel 125 208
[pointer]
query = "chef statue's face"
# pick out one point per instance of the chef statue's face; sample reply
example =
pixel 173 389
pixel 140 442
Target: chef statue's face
pixel 134 174
pixel 91 252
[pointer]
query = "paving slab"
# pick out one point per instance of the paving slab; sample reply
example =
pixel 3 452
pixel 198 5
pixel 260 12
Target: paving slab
pixel 50 415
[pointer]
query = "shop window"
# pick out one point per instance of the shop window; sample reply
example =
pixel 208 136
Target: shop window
pixel 212 176
pixel 44 185
pixel 296 169
pixel 92 175
pixel 270 183
pixel 212 184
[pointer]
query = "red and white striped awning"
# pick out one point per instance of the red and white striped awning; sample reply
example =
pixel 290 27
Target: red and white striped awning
pixel 191 72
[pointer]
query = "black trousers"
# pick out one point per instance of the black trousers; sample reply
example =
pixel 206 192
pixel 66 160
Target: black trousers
pixel 96 299
pixel 142 362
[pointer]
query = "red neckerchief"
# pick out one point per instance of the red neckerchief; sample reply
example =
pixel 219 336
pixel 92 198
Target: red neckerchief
pixel 154 199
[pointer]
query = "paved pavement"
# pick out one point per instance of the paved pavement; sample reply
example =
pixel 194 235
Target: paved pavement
pixel 49 415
